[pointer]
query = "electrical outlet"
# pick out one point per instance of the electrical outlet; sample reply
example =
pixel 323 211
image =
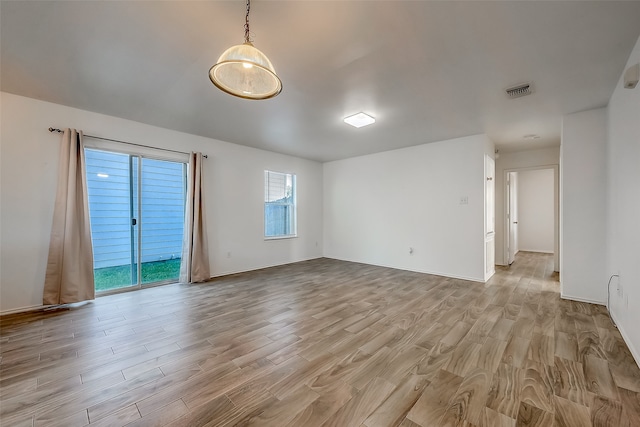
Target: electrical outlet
pixel 464 200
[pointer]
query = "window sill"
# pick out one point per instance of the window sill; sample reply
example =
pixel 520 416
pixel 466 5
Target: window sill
pixel 290 236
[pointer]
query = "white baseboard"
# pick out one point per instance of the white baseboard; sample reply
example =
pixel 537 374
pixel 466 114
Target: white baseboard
pixel 489 276
pixel 230 272
pixel 433 273
pixel 627 340
pixel 572 298
pixel 23 309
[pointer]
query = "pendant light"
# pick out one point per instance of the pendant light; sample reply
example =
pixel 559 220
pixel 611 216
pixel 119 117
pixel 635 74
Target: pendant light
pixel 244 71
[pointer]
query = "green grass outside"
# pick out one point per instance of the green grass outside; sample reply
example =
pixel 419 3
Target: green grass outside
pixel 109 278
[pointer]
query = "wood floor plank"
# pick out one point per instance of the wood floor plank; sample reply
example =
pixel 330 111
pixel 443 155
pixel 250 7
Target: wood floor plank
pixel 282 412
pixel 523 328
pixel 481 328
pixel 395 407
pixel 134 395
pixel 537 386
pixel 464 358
pixel 569 381
pixel 542 349
pixel 496 419
pixel 455 335
pixel 630 408
pixel 408 423
pixel 156 401
pixel 81 401
pixel 250 357
pixel 599 379
pixel 434 401
pixel 79 418
pixel 318 411
pixel 468 403
pixel 566 346
pixel 306 375
pixel 46 397
pixel 343 371
pixel 504 393
pixel 568 414
pixel 589 345
pixel 384 339
pixel 605 412
pixel 404 362
pixel 358 408
pixel 490 354
pixel 433 335
pixel 516 351
pixel 502 329
pixel 163 416
pixel 120 418
pixel 371 368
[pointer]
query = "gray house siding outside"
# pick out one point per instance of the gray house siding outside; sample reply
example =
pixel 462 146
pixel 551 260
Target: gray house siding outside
pixel 113 204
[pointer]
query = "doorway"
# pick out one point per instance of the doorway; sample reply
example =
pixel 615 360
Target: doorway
pixel 136 209
pixel 532 212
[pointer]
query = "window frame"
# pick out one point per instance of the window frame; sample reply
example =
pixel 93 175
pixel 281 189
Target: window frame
pixel 293 222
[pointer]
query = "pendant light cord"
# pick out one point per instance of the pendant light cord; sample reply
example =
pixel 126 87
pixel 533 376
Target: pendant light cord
pixel 247 38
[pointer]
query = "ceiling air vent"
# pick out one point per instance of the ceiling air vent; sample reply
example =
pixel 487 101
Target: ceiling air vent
pixel 520 90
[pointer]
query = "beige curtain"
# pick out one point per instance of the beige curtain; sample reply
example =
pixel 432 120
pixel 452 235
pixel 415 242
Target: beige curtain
pixel 194 266
pixel 69 276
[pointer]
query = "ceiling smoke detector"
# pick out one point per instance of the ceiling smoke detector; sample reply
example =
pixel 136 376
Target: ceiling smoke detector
pixel 520 90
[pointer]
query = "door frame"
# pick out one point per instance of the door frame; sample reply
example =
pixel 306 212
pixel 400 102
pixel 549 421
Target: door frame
pixel 556 211
pixel 509 213
pixel 139 152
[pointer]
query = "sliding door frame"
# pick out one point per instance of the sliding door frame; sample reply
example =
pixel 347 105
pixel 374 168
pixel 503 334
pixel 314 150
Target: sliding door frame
pixel 139 153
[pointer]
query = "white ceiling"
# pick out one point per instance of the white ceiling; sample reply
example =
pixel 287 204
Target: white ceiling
pixel 427 71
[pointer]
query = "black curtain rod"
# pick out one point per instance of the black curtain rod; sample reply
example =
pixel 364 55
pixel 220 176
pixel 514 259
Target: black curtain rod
pixel 125 142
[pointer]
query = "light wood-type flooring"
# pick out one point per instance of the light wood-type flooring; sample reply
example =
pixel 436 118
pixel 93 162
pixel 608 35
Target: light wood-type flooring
pixel 324 343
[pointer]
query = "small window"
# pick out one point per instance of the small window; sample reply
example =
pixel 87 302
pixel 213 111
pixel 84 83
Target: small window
pixel 279 204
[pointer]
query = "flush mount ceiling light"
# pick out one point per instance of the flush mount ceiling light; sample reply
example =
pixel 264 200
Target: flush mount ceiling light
pixel 359 120
pixel 244 71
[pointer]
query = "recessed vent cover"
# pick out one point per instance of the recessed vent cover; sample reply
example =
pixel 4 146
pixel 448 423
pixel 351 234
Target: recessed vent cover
pixel 520 90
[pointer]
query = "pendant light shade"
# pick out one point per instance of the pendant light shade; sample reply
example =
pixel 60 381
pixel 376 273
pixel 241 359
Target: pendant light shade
pixel 244 71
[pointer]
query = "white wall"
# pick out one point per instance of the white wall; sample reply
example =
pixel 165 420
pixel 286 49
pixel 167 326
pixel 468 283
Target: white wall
pixel 536 210
pixel 583 206
pixel 623 189
pixel 516 161
pixel 378 206
pixel 234 194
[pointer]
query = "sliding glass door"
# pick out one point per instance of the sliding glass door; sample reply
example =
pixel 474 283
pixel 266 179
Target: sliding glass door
pixel 136 205
pixel 163 195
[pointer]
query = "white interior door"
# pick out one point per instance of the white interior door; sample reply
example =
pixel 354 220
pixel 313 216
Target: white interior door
pixel 512 216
